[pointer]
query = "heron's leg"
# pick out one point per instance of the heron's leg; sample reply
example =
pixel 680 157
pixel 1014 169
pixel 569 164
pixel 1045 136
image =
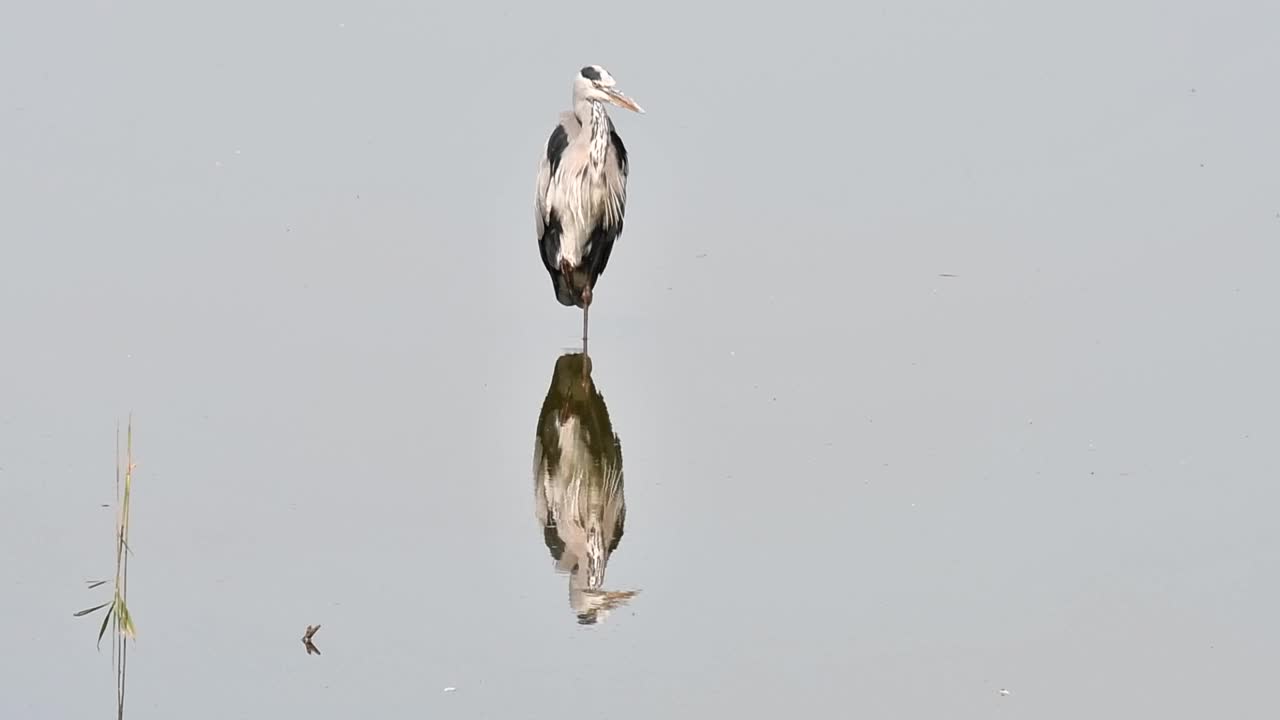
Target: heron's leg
pixel 586 306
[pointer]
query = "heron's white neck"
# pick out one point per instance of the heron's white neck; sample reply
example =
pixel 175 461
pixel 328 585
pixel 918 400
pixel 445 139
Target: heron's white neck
pixel 595 120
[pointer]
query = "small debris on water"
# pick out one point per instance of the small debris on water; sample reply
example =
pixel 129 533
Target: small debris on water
pixel 306 639
pixel 1004 693
pixel 450 689
pixel 947 275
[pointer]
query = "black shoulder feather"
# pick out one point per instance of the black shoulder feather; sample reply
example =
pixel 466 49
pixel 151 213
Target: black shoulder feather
pixel 619 148
pixel 556 145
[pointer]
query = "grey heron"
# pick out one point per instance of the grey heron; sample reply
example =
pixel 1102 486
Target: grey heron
pixel 582 190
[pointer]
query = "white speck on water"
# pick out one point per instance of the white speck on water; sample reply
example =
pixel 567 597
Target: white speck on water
pixel 237 152
pixel 1004 693
pixel 217 163
pixel 450 689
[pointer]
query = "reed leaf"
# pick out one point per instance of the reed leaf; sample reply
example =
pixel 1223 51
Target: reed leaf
pixel 105 619
pixel 92 609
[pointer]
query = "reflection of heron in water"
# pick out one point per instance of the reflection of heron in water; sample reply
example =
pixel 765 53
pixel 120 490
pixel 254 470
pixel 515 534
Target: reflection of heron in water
pixel 577 477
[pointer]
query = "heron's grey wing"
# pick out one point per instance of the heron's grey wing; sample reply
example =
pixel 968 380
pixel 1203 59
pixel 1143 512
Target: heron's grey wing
pixel 620 150
pixel 556 144
pixel 617 168
pixel 547 224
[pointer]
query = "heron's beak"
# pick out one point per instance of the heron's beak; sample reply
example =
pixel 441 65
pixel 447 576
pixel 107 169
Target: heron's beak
pixel 623 101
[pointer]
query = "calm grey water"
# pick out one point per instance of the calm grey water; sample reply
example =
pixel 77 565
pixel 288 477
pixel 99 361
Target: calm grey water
pixel 940 350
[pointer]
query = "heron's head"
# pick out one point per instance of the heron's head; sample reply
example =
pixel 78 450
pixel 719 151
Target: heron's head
pixel 595 83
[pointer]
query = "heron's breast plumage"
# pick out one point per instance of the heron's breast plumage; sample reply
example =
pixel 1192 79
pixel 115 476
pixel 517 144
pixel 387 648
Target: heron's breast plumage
pixel 581 199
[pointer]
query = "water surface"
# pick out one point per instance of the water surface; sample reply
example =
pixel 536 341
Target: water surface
pixel 940 348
